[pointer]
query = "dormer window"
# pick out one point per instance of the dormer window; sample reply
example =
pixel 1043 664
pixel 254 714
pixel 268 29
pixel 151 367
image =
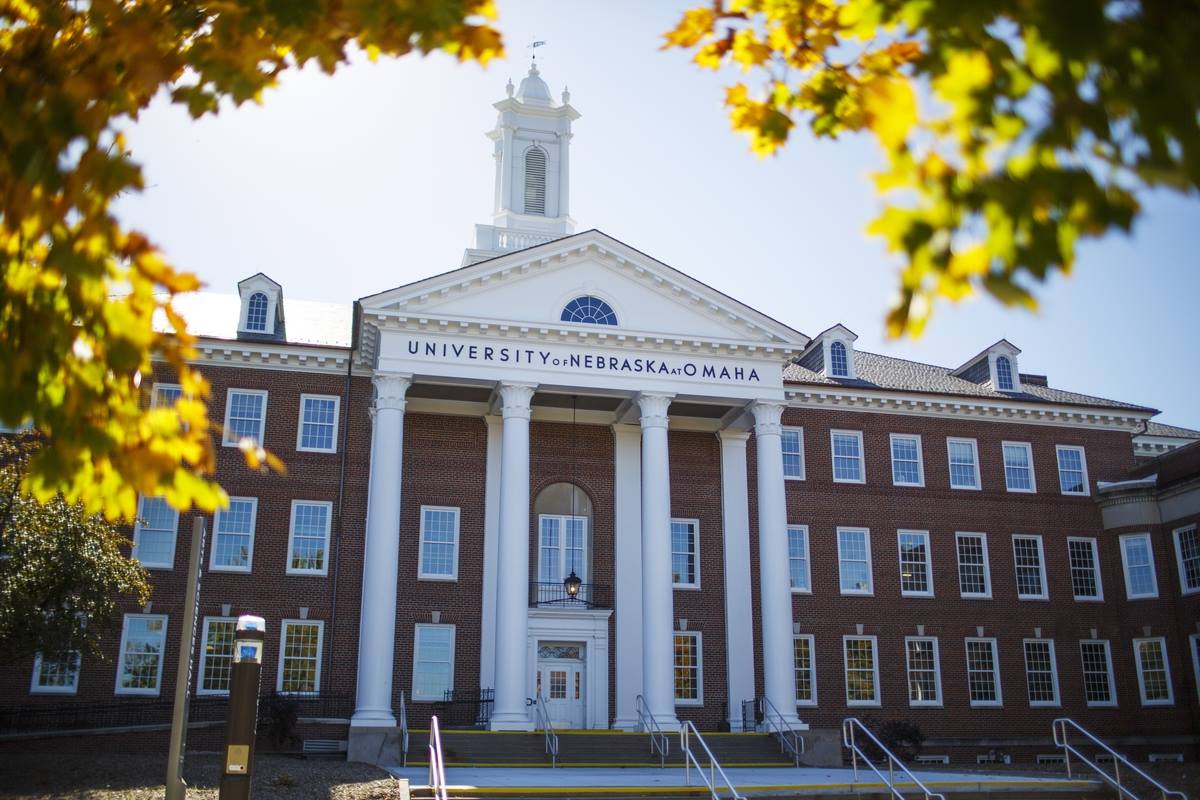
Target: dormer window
pixel 1004 375
pixel 839 366
pixel 589 311
pixel 261 315
pixel 256 313
pixel 996 365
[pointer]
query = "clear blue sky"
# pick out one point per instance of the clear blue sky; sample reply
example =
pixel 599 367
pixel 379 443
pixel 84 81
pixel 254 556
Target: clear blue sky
pixel 344 186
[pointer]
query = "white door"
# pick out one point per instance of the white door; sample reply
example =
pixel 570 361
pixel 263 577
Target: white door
pixel 561 684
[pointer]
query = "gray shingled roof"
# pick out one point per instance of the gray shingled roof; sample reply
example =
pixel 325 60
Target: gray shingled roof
pixel 1159 429
pixel 875 371
pixel 215 316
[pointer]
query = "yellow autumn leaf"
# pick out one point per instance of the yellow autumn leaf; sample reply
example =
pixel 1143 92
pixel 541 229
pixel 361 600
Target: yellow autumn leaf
pixel 890 105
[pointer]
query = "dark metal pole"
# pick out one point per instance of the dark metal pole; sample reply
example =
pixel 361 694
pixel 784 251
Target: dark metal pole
pixel 176 788
pixel 243 708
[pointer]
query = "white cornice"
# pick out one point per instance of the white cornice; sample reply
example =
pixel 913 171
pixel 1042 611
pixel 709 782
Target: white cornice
pixel 260 355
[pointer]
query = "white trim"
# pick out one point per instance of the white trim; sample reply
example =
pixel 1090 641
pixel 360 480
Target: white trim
pixel 1110 677
pixel 994 355
pixel 162 655
pixel 420 626
pixel 262 423
pixel 920 484
pixel 200 690
pixel 1094 549
pixel 213 566
pixel 987 566
pixel 862 456
pixel 324 569
pixel 1087 486
pixel 1177 535
pixel 874 640
pixel 812 668
pixel 803 461
pixel 999 701
pixel 422 575
pixel 950 464
pixel 937 672
pixel 1044 594
pixel 169 564
pixel 698 637
pixel 928 563
pixel 1057 701
pixel 337 415
pixel 1129 595
pixel 36 688
pixel 695 525
pixel 1032 472
pixel 155 395
pixel 870 590
pixel 1137 662
pixel 1194 645
pixel 284 624
pixel 807 589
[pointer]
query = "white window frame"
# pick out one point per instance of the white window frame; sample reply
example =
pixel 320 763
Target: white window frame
pixel 169 564
pixel 803 462
pixel 1087 488
pixel 262 423
pixel 1137 662
pixel 1057 701
pixel 1044 594
pixel 950 468
pixel 1028 448
pixel 36 688
pixel 156 393
pixel 213 566
pixel 1194 648
pixel 1177 535
pixel 920 484
pixel 437 576
pixel 121 656
pixel 928 562
pixel 1129 595
pixel 699 639
pixel 324 570
pixel 283 629
pixel 417 653
pixel 999 701
pixel 937 673
pixel 807 588
pixel 870 590
pixel 695 523
pixel 862 456
pixel 812 658
pixel 337 415
pixel 1094 546
pixel 987 566
pixel 1112 680
pixel 874 640
pixel 204 658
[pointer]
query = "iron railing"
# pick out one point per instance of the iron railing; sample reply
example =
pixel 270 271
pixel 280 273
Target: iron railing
pixel 1060 729
pixel 688 732
pixel 851 728
pixel 541 715
pixel 553 594
pixel 648 724
pixel 465 708
pixel 437 763
pixel 789 741
pixel 749 715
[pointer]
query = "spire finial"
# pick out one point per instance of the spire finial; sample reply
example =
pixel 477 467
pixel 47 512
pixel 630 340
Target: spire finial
pixel 566 96
pixel 509 87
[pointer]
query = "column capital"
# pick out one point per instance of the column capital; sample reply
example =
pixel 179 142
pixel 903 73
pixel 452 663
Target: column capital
pixel 390 389
pixel 767 414
pixel 733 438
pixel 515 399
pixel 654 407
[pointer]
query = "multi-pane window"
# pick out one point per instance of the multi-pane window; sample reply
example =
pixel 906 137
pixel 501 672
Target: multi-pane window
pixel 139 670
pixel 1187 552
pixel 1041 672
pixel 1004 375
pixel 1018 467
pixel 1030 566
pixel 916 574
pixel 806 671
pixel 1098 684
pixel 1072 470
pixel 1137 557
pixel 685 553
pixel 233 535
pixel 1085 569
pixel 1194 641
pixel 862 671
pixel 964 463
pixel 256 312
pixel 562 549
pixel 792 441
pixel 439 543
pixel 245 415
pixel 983 672
pixel 924 671
pixel 798 567
pixel 847 456
pixel 589 310
pixel 154 533
pixel 433 661
pixel 854 560
pixel 55 674
pixel 907 469
pixel 300 656
pixel 974 576
pixel 308 542
pixel 1153 672
pixel 164 395
pixel 216 655
pixel 688 687
pixel 318 423
pixel 839 364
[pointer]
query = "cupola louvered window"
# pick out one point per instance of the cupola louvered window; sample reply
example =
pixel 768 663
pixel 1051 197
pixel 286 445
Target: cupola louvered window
pixel 535 181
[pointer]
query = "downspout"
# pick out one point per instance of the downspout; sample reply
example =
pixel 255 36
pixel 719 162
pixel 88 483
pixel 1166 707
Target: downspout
pixel 341 513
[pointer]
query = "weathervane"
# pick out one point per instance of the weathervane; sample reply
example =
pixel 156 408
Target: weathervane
pixel 534 46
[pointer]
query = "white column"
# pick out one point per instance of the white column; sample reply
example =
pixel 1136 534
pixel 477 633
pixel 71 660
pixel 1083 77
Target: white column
pixel 491 555
pixel 506 170
pixel 377 623
pixel 658 610
pixel 775 586
pixel 627 577
pixel 739 619
pixel 564 174
pixel 512 596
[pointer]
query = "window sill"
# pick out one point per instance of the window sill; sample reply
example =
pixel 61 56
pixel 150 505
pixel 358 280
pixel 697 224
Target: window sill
pixel 438 579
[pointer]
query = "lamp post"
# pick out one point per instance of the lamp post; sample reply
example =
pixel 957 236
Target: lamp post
pixel 243 707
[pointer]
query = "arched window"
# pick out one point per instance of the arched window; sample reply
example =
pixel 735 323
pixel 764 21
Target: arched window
pixel 590 310
pixel 256 312
pixel 1004 377
pixel 535 181
pixel 564 525
pixel 839 366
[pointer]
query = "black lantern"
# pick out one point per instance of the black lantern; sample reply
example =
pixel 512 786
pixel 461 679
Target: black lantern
pixel 572 583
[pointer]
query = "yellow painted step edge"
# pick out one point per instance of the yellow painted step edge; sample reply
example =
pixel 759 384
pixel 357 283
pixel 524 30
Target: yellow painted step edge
pixel 795 787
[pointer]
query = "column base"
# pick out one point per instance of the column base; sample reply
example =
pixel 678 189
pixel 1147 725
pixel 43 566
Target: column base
pixel 510 722
pixel 373 718
pixel 379 745
pixel 625 724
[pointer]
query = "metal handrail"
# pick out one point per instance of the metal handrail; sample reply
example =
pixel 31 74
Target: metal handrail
pixel 437 766
pixel 686 731
pixel 789 740
pixel 849 725
pixel 403 731
pixel 648 724
pixel 542 722
pixel 1059 730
